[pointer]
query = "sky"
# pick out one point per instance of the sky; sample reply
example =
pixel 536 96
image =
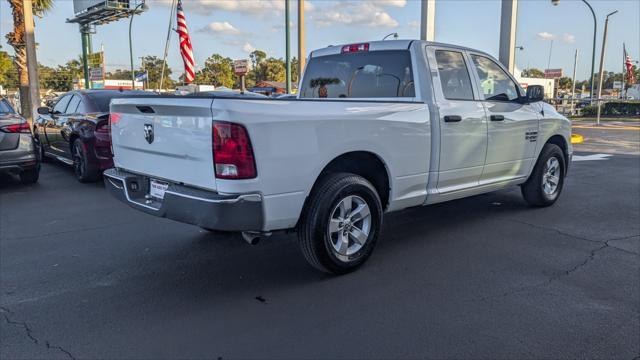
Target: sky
pixel 234 28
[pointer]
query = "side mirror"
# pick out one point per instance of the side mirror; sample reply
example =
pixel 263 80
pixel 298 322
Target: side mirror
pixel 44 110
pixel 535 93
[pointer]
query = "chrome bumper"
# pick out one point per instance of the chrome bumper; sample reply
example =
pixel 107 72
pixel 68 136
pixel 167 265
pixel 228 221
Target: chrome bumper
pixel 238 212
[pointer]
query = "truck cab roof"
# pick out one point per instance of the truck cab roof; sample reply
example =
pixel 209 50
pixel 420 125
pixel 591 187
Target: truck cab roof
pixel 380 45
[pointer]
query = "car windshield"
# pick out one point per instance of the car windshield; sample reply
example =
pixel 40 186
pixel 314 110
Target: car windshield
pixel 5 108
pixel 376 74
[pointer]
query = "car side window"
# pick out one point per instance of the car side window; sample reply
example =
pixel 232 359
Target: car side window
pixel 495 84
pixel 454 75
pixel 61 105
pixel 82 107
pixel 73 104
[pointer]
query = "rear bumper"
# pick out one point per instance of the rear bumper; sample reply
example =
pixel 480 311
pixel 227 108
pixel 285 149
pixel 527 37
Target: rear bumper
pixel 22 158
pixel 208 209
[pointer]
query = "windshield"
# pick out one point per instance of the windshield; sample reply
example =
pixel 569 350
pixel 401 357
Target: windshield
pixel 377 74
pixel 5 108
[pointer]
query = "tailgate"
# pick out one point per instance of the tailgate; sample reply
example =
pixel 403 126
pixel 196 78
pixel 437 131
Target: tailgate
pixel 164 137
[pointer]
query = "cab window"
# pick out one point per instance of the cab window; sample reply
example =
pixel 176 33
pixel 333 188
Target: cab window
pixel 73 105
pixel 61 105
pixel 494 84
pixel 454 75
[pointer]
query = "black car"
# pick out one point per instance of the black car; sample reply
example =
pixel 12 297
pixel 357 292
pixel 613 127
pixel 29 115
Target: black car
pixel 76 131
pixel 17 148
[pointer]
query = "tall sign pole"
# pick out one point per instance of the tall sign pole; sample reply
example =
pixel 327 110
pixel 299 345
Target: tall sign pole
pixel 32 62
pixel 428 20
pixel 86 51
pixel 508 25
pixel 302 57
pixel 288 45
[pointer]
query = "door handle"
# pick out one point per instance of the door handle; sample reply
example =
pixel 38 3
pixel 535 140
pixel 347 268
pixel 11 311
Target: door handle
pixel 452 118
pixel 497 117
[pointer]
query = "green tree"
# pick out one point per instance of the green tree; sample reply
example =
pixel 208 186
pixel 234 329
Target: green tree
pixel 119 74
pixel 256 57
pixel 533 73
pixel 8 73
pixel 16 39
pixel 271 69
pixel 565 83
pixel 153 65
pixel 218 71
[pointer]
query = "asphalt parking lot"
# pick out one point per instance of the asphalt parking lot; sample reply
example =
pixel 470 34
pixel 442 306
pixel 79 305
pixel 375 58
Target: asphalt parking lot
pixel 84 276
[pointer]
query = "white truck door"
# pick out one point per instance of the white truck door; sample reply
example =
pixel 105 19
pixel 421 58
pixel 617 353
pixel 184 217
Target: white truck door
pixel 463 122
pixel 513 126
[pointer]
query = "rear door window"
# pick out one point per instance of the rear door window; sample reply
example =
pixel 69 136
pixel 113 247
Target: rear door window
pixel 376 74
pixel 61 105
pixel 72 108
pixel 454 75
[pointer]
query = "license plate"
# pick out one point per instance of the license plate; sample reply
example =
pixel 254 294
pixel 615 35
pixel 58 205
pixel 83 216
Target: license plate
pixel 157 188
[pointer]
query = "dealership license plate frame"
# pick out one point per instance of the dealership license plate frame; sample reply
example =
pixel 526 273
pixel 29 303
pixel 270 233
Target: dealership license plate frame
pixel 157 188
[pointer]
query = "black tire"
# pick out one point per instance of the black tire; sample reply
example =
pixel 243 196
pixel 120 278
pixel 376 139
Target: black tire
pixel 317 243
pixel 84 171
pixel 533 190
pixel 30 176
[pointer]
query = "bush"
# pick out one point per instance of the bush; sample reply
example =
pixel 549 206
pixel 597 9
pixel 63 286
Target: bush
pixel 614 108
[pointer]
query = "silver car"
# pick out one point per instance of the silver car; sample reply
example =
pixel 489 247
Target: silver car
pixel 18 151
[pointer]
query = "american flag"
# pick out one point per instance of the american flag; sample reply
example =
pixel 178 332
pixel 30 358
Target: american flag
pixel 186 50
pixel 631 77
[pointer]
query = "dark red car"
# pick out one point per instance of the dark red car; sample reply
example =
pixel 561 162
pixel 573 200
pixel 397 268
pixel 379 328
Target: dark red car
pixel 76 131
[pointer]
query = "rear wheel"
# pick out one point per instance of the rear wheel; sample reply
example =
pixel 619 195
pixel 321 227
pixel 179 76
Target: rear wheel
pixel 547 178
pixel 81 166
pixel 340 226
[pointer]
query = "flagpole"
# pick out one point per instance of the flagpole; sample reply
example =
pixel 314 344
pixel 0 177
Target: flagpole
pixel 624 70
pixel 166 44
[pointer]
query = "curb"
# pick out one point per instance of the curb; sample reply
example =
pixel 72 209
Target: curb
pixel 577 139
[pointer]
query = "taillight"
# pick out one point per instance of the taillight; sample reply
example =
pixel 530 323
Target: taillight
pixel 16 128
pixel 232 151
pixel 355 48
pixel 103 127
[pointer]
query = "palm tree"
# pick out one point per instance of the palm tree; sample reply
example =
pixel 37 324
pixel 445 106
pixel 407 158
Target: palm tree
pixel 16 39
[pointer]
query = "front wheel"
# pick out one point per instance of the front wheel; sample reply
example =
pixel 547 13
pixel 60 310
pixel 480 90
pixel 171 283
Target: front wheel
pixel 340 225
pixel 30 176
pixel 547 178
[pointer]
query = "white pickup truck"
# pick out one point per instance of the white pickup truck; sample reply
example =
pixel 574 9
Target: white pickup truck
pixel 376 127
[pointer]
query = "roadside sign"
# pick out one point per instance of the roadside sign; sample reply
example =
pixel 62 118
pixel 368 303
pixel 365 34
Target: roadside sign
pixel 241 67
pixel 617 84
pixel 96 74
pixel 552 73
pixel 143 76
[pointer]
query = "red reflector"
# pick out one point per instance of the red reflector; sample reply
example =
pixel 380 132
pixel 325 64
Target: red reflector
pixel 355 48
pixel 17 128
pixel 232 152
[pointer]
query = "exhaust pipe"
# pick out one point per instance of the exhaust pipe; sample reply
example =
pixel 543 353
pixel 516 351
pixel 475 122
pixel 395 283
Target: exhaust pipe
pixel 253 237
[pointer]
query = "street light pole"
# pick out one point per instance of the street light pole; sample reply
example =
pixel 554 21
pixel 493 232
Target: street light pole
pixel 143 7
pixel 593 51
pixel 288 46
pixel 301 35
pixel 604 45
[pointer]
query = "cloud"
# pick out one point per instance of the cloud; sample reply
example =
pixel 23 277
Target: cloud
pixel 365 13
pixel 545 36
pixel 248 48
pixel 568 38
pixel 392 3
pixel 414 24
pixel 221 28
pixel 565 38
pixel 257 8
